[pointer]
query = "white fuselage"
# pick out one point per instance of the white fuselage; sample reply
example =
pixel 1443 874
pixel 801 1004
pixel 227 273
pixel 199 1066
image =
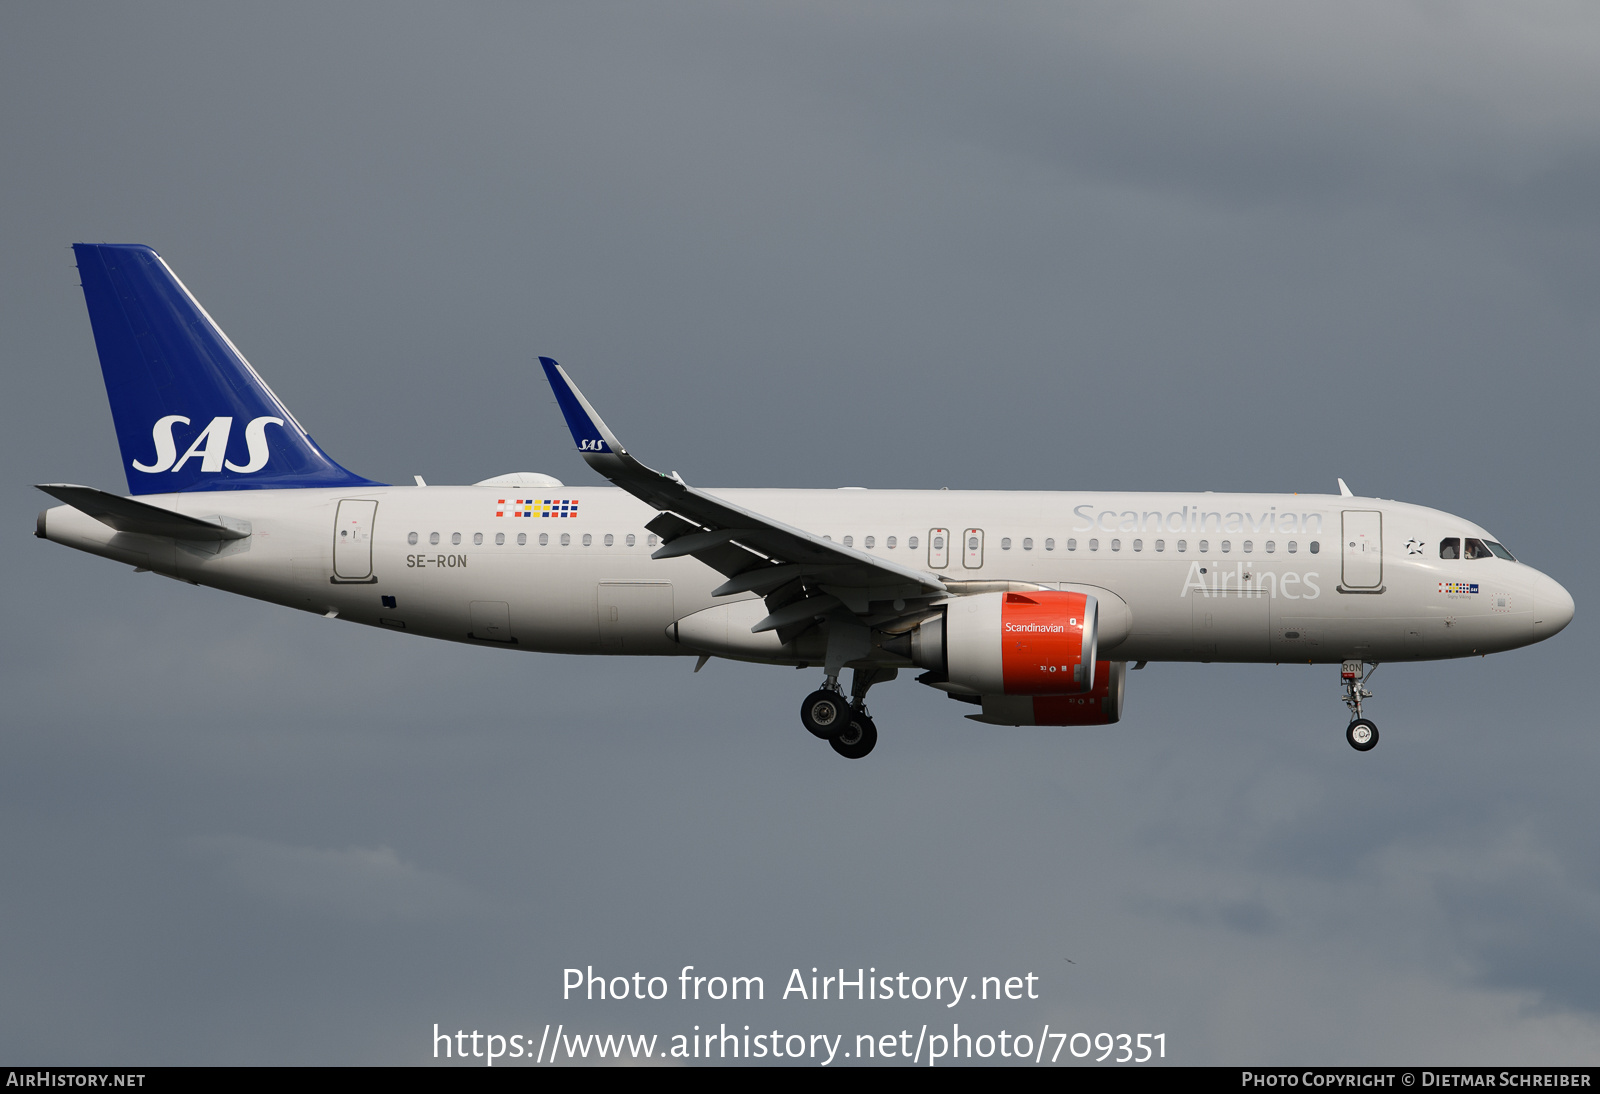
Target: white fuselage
pixel 1205 577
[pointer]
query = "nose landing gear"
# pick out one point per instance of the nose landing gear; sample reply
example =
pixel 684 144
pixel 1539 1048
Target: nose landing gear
pixel 1361 733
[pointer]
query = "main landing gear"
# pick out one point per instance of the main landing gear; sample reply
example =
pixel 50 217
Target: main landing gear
pixel 844 724
pixel 824 712
pixel 860 736
pixel 1361 733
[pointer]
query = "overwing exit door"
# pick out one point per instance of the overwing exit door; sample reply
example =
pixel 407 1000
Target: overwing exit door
pixel 972 548
pixel 352 541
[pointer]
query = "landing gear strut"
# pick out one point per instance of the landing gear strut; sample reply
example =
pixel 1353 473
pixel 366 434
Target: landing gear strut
pixel 1361 733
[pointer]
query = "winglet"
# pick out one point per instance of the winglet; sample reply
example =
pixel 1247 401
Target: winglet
pixel 1344 491
pixel 589 433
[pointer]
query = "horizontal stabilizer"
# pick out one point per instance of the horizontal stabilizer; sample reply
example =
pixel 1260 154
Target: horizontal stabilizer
pixel 127 515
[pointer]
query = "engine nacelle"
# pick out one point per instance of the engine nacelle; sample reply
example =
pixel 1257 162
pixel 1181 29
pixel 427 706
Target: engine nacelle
pixel 1034 643
pixel 1099 707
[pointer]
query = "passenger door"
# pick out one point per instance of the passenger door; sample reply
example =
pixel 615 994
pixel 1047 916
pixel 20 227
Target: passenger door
pixel 352 541
pixel 1362 547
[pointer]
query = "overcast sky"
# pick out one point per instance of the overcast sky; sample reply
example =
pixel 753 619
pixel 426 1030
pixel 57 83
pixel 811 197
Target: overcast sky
pixel 1051 246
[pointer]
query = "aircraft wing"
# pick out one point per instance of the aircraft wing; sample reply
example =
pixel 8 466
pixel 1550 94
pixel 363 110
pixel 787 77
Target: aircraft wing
pixel 801 576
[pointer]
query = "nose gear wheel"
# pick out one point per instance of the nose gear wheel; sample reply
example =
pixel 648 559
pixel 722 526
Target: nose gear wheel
pixel 1362 735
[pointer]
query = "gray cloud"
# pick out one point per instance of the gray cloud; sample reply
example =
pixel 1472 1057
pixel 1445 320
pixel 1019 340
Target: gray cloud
pixel 365 884
pixel 1109 246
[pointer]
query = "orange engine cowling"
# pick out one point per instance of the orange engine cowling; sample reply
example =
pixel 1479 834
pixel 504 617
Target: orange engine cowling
pixel 1046 640
pixel 1041 642
pixel 1100 706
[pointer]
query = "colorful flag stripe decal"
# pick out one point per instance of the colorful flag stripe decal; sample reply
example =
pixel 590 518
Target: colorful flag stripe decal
pixel 536 507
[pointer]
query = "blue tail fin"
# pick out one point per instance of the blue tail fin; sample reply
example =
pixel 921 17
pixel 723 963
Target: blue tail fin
pixel 191 414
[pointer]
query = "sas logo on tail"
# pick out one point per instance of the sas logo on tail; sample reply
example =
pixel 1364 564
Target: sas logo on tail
pixel 210 447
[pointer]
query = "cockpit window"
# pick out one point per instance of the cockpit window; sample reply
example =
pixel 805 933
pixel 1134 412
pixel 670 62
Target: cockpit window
pixel 1476 549
pixel 1499 551
pixel 1450 548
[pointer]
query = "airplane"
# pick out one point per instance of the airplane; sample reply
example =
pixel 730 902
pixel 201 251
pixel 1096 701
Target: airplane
pixel 1029 606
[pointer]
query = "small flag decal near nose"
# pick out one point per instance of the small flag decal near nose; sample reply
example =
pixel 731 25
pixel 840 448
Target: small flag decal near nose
pixel 536 507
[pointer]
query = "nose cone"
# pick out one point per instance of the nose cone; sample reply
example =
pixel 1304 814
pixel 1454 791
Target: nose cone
pixel 1552 608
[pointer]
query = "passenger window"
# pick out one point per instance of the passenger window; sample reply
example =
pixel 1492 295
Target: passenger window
pixel 1315 546
pixel 455 537
pixel 587 539
pixel 1027 543
pixel 849 541
pixel 1161 545
pixel 1049 545
pixel 1271 546
pixel 1226 547
pixel 1248 546
pixel 477 539
pixel 1476 549
pixel 499 538
pixel 629 540
pixel 566 539
pixel 1450 548
pixel 412 539
pixel 1183 545
pixel 650 540
pixel 1005 543
pixel 544 539
pixel 911 543
pixel 871 542
pixel 890 543
pixel 1094 545
pixel 1293 547
pixel 1205 545
pixel 1072 543
pixel 1138 545
pixel 522 539
pixel 1116 545
pixel 433 538
pixel 609 540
